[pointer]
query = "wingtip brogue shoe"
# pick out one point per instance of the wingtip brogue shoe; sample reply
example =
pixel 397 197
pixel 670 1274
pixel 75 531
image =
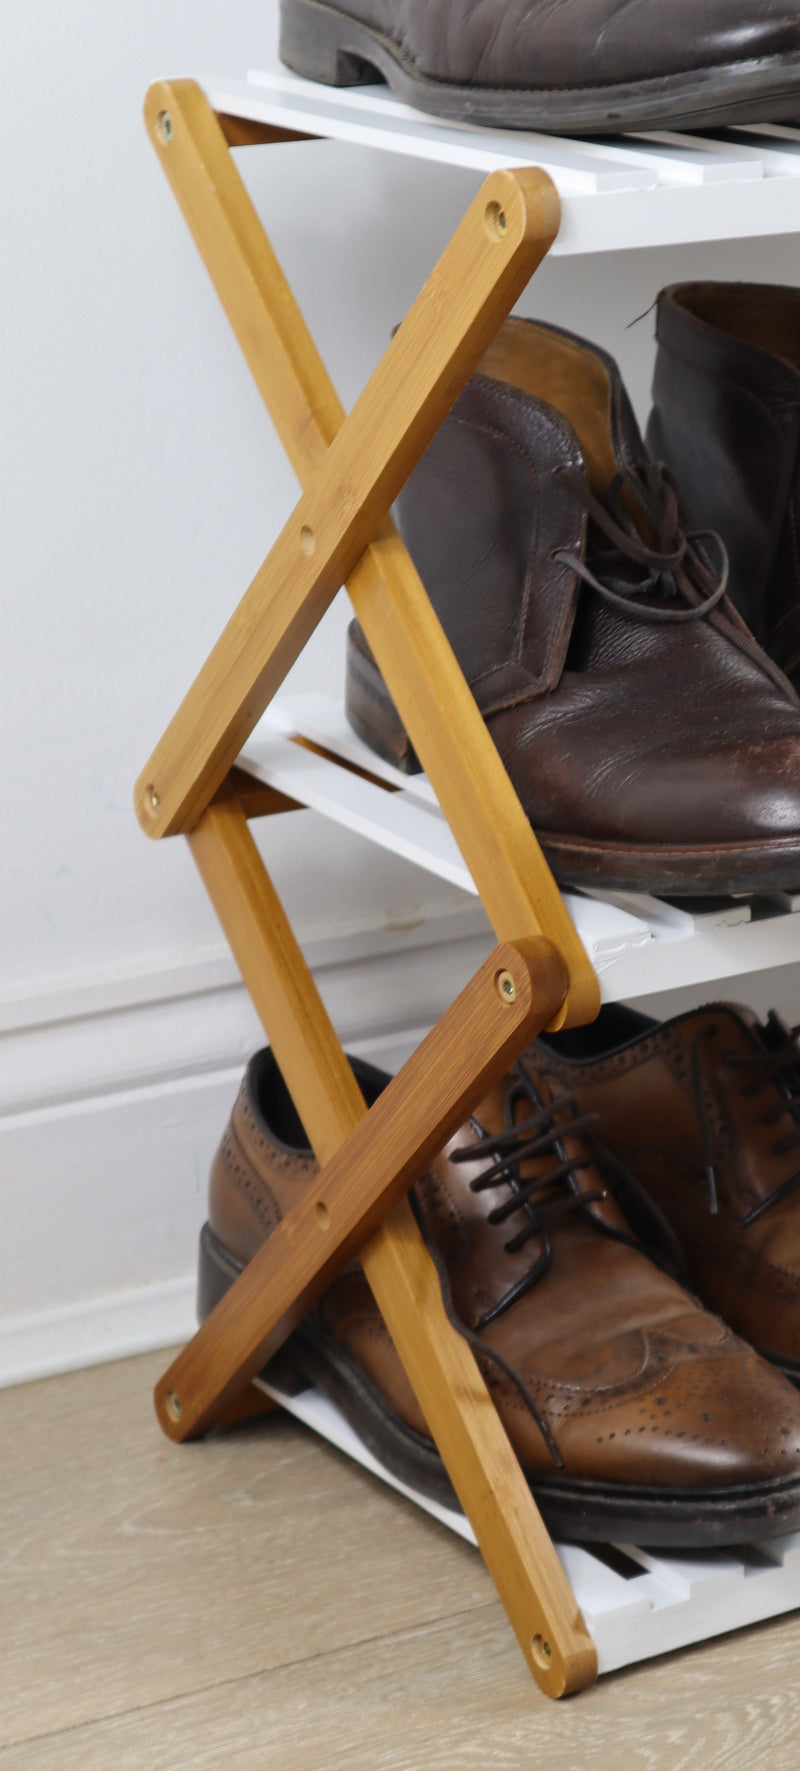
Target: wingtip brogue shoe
pixel 635 1414
pixel 704 1110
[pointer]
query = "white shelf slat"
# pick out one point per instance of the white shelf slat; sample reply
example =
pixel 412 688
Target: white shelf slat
pixel 638 944
pixel 652 189
pixel 674 1601
pixel 413 832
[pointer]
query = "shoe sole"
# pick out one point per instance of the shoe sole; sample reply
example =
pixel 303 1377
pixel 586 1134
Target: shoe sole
pixel 690 870
pixel 325 45
pixel 572 1508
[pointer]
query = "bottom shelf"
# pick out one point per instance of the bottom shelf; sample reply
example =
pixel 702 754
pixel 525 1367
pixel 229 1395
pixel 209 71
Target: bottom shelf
pixel 636 1602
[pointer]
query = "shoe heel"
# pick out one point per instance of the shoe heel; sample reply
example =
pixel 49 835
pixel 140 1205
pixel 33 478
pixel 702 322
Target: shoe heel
pixel 313 42
pixel 215 1273
pixel 371 711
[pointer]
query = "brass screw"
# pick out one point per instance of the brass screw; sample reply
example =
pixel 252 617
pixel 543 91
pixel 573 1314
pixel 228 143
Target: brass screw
pixel 164 127
pixel 506 988
pixel 496 221
pixel 173 1406
pixel 153 798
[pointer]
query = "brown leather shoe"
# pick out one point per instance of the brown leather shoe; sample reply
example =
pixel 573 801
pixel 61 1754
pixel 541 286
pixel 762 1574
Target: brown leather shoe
pixel 582 66
pixel 652 743
pixel 634 1413
pixel 705 1111
pixel 727 417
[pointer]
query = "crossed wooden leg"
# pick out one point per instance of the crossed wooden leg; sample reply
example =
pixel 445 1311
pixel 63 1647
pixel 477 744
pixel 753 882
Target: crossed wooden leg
pixel 352 469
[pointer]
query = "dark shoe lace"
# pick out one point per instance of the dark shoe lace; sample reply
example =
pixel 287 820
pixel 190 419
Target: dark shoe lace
pixel 542 1198
pixel 522 1140
pixel 780 1067
pixel 675 567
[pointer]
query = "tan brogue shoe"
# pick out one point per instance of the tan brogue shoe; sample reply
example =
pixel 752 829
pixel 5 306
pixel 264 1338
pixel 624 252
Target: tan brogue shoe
pixel 704 1110
pixel 634 1413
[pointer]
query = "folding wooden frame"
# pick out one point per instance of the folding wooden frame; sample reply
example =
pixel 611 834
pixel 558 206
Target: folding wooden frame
pixel 351 469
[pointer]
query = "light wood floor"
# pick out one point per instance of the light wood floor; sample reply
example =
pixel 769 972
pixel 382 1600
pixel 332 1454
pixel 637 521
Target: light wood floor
pixel 254 1601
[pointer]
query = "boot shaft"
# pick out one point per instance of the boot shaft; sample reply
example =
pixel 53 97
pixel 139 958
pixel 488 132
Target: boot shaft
pixel 726 416
pixel 488 509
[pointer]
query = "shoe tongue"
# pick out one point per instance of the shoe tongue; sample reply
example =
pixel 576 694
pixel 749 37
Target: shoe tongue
pixel 535 1093
pixel 773 1032
pixel 487 1274
pixel 492 1113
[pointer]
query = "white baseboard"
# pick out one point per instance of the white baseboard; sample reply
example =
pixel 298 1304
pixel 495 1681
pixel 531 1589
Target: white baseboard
pixel 95 1330
pixel 123 1028
pixel 114 1092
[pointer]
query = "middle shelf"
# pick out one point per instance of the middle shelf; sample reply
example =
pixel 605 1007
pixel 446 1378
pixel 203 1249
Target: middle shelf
pixel 638 945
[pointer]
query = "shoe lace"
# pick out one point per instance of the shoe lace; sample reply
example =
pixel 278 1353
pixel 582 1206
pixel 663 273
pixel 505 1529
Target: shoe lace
pixel 675 567
pixel 779 1066
pixel 519 1142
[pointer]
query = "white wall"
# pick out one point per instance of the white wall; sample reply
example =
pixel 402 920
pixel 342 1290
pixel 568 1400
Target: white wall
pixel 142 484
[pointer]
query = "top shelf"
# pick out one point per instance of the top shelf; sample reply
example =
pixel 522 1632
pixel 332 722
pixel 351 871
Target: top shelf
pixel 657 189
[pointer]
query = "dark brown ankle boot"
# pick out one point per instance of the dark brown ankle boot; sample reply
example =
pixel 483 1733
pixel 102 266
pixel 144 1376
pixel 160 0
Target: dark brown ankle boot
pixel 582 66
pixel 652 743
pixel 726 416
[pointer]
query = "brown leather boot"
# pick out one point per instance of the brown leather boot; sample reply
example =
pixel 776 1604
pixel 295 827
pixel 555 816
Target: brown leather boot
pixel 635 1414
pixel 582 66
pixel 652 743
pixel 726 416
pixel 705 1111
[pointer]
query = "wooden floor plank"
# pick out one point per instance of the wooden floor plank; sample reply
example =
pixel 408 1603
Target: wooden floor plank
pixel 256 1601
pixel 134 1570
pixel 456 1696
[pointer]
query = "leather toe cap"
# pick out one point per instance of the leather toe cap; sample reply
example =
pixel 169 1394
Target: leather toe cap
pixel 707 1413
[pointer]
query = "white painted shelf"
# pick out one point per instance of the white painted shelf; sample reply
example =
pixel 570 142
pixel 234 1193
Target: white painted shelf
pixel 639 945
pixel 636 1603
pixel 653 189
